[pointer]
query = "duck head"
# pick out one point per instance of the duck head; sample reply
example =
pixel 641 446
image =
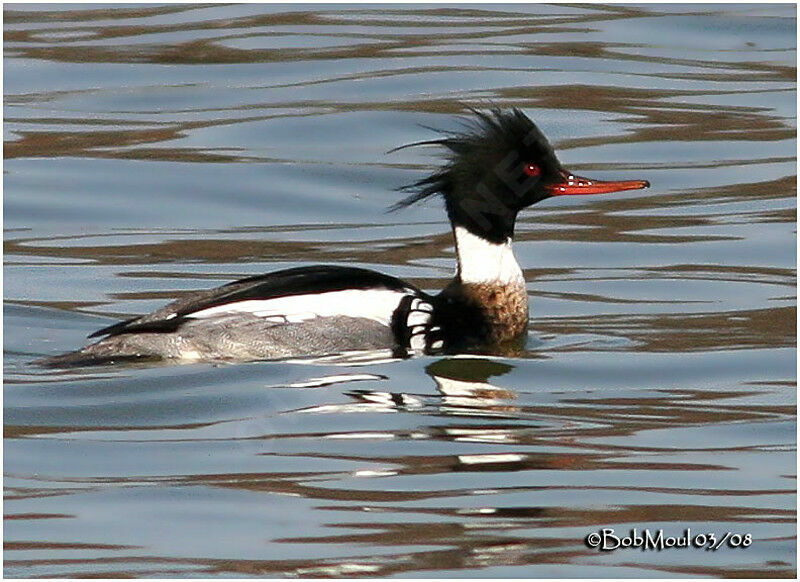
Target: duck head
pixel 498 165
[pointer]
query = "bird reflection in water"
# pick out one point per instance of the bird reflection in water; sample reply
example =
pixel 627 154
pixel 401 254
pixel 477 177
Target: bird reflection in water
pixel 462 383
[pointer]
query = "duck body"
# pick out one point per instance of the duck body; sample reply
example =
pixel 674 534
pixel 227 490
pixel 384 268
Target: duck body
pixel 499 166
pixel 294 313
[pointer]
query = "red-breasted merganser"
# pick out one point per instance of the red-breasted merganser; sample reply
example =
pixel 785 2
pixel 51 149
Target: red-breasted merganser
pixel 500 164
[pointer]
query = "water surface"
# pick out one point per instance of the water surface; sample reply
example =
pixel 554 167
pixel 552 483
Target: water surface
pixel 156 149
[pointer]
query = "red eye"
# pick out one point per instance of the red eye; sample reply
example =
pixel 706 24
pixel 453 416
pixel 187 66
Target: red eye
pixel 532 169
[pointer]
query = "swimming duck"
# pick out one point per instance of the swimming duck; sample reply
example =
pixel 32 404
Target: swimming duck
pixel 498 165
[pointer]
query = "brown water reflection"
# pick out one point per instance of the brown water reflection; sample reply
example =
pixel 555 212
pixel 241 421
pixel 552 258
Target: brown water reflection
pixel 667 122
pixel 475 535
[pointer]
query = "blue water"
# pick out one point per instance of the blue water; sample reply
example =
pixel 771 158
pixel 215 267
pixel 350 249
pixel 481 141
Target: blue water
pixel 154 149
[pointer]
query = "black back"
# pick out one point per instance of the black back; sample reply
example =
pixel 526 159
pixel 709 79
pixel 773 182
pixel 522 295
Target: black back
pixel 285 283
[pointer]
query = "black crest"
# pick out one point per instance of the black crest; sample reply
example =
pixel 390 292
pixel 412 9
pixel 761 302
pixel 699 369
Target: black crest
pixel 494 167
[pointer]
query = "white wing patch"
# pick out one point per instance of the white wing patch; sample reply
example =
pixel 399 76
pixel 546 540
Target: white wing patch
pixel 375 304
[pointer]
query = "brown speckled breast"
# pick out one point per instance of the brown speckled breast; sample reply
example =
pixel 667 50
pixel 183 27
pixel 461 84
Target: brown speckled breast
pixel 504 306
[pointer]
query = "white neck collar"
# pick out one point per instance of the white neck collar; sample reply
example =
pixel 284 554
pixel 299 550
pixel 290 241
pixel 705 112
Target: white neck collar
pixel 480 261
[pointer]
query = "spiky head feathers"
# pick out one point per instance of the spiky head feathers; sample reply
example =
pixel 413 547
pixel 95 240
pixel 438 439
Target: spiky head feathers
pixel 494 168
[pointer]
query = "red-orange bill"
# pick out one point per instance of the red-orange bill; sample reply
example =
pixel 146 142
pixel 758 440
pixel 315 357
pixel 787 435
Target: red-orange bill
pixel 573 185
